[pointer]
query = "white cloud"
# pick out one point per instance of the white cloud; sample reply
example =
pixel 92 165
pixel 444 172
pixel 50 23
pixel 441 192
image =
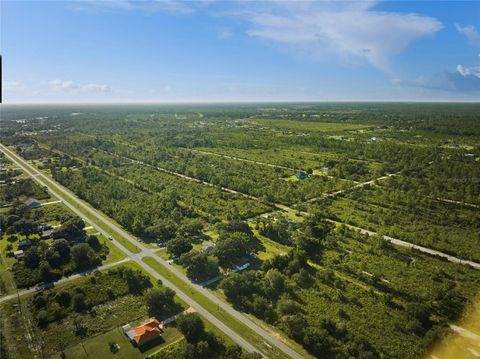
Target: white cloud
pixel 96 88
pixel 470 33
pixel 347 29
pixel 59 85
pixel 225 34
pixel 69 85
pixel 13 86
pixel 468 71
pixel 464 79
pixel 172 6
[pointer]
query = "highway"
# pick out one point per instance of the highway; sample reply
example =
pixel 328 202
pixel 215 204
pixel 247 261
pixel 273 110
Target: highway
pixel 68 198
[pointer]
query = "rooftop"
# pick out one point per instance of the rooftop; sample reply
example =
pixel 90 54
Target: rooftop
pixel 145 332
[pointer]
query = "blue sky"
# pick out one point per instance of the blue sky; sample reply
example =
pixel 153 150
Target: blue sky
pixel 208 51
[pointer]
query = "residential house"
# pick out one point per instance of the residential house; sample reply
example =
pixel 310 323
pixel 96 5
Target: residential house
pixel 301 175
pixel 208 246
pixel 33 203
pixel 144 333
pixel 46 234
pixel 24 244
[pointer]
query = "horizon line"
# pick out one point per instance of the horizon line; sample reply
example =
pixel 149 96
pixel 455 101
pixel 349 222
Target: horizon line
pixel 235 102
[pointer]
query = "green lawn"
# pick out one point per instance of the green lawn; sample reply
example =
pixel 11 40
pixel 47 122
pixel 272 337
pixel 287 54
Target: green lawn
pixel 98 347
pixel 272 248
pixel 162 253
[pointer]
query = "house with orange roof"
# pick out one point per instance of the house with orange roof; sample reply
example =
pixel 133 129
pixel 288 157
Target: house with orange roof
pixel 145 332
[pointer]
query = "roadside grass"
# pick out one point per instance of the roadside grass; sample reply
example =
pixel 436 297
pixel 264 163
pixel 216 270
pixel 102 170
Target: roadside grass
pixel 162 253
pixel 114 254
pixel 319 173
pixel 126 243
pixel 248 334
pixel 209 326
pixel 269 328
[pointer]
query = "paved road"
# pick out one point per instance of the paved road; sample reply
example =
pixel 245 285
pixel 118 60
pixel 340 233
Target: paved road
pixel 458 202
pixel 247 160
pixel 261 163
pixel 63 194
pixel 359 185
pixel 283 208
pixel 278 206
pixel 164 170
pixel 23 292
pixel 406 244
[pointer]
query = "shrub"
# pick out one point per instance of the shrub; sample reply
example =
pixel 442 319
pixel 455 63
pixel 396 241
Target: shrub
pixel 42 318
pixel 80 302
pixel 63 298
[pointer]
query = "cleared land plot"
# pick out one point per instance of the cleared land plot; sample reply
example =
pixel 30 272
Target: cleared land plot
pixel 294 158
pixel 442 226
pixel 309 125
pixel 205 201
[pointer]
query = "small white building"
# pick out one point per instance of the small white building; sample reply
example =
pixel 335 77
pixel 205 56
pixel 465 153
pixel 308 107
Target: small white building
pixel 208 246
